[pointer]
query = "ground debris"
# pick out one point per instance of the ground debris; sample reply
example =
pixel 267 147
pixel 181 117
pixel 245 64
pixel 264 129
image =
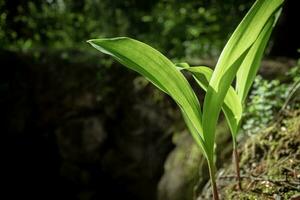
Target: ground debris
pixel 270 165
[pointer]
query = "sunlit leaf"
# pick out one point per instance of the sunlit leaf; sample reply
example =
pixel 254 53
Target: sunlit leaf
pixel 161 72
pixel 248 69
pixel 232 106
pixel 229 62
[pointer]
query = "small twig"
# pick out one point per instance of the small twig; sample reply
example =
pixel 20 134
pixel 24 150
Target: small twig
pixel 255 178
pixel 250 184
pixel 292 91
pixel 292 185
pixel 279 181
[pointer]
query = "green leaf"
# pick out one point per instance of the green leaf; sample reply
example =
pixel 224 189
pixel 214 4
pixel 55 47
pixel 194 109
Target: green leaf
pixel 182 65
pixel 232 106
pixel 229 62
pixel 161 72
pixel 248 69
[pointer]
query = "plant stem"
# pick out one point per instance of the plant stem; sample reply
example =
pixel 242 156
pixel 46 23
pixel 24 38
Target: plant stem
pixel 212 171
pixel 237 165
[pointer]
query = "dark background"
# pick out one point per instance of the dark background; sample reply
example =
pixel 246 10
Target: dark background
pixel 76 125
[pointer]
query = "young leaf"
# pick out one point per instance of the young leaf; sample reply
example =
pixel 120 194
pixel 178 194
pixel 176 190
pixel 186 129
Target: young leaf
pixel 231 58
pixel 161 72
pixel 232 106
pixel 248 69
pixel 182 65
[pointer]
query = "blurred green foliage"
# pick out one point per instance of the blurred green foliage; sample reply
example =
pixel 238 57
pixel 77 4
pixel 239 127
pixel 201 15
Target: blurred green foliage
pixel 267 98
pixel 180 29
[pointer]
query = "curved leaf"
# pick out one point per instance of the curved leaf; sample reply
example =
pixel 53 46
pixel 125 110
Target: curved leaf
pixel 161 72
pixel 248 69
pixel 232 106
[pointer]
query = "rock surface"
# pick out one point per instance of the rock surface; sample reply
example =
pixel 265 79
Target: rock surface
pixel 186 170
pixel 78 130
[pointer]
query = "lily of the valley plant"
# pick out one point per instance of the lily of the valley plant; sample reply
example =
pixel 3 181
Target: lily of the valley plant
pixel 239 59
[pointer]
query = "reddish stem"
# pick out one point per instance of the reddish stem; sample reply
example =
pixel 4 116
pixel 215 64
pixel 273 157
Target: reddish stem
pixel 237 167
pixel 212 172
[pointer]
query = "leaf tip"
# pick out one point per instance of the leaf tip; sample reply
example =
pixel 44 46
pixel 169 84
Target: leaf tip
pixel 90 41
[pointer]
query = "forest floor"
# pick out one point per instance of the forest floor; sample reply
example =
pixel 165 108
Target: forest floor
pixel 270 164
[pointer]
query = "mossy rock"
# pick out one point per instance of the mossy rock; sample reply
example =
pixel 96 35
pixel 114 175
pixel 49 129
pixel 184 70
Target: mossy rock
pixel 186 170
pixel 181 170
pixel 270 164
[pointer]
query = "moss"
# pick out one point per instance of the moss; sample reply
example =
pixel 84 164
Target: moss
pixel 270 163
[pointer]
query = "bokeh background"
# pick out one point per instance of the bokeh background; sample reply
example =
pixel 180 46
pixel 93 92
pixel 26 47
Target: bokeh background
pixel 77 125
